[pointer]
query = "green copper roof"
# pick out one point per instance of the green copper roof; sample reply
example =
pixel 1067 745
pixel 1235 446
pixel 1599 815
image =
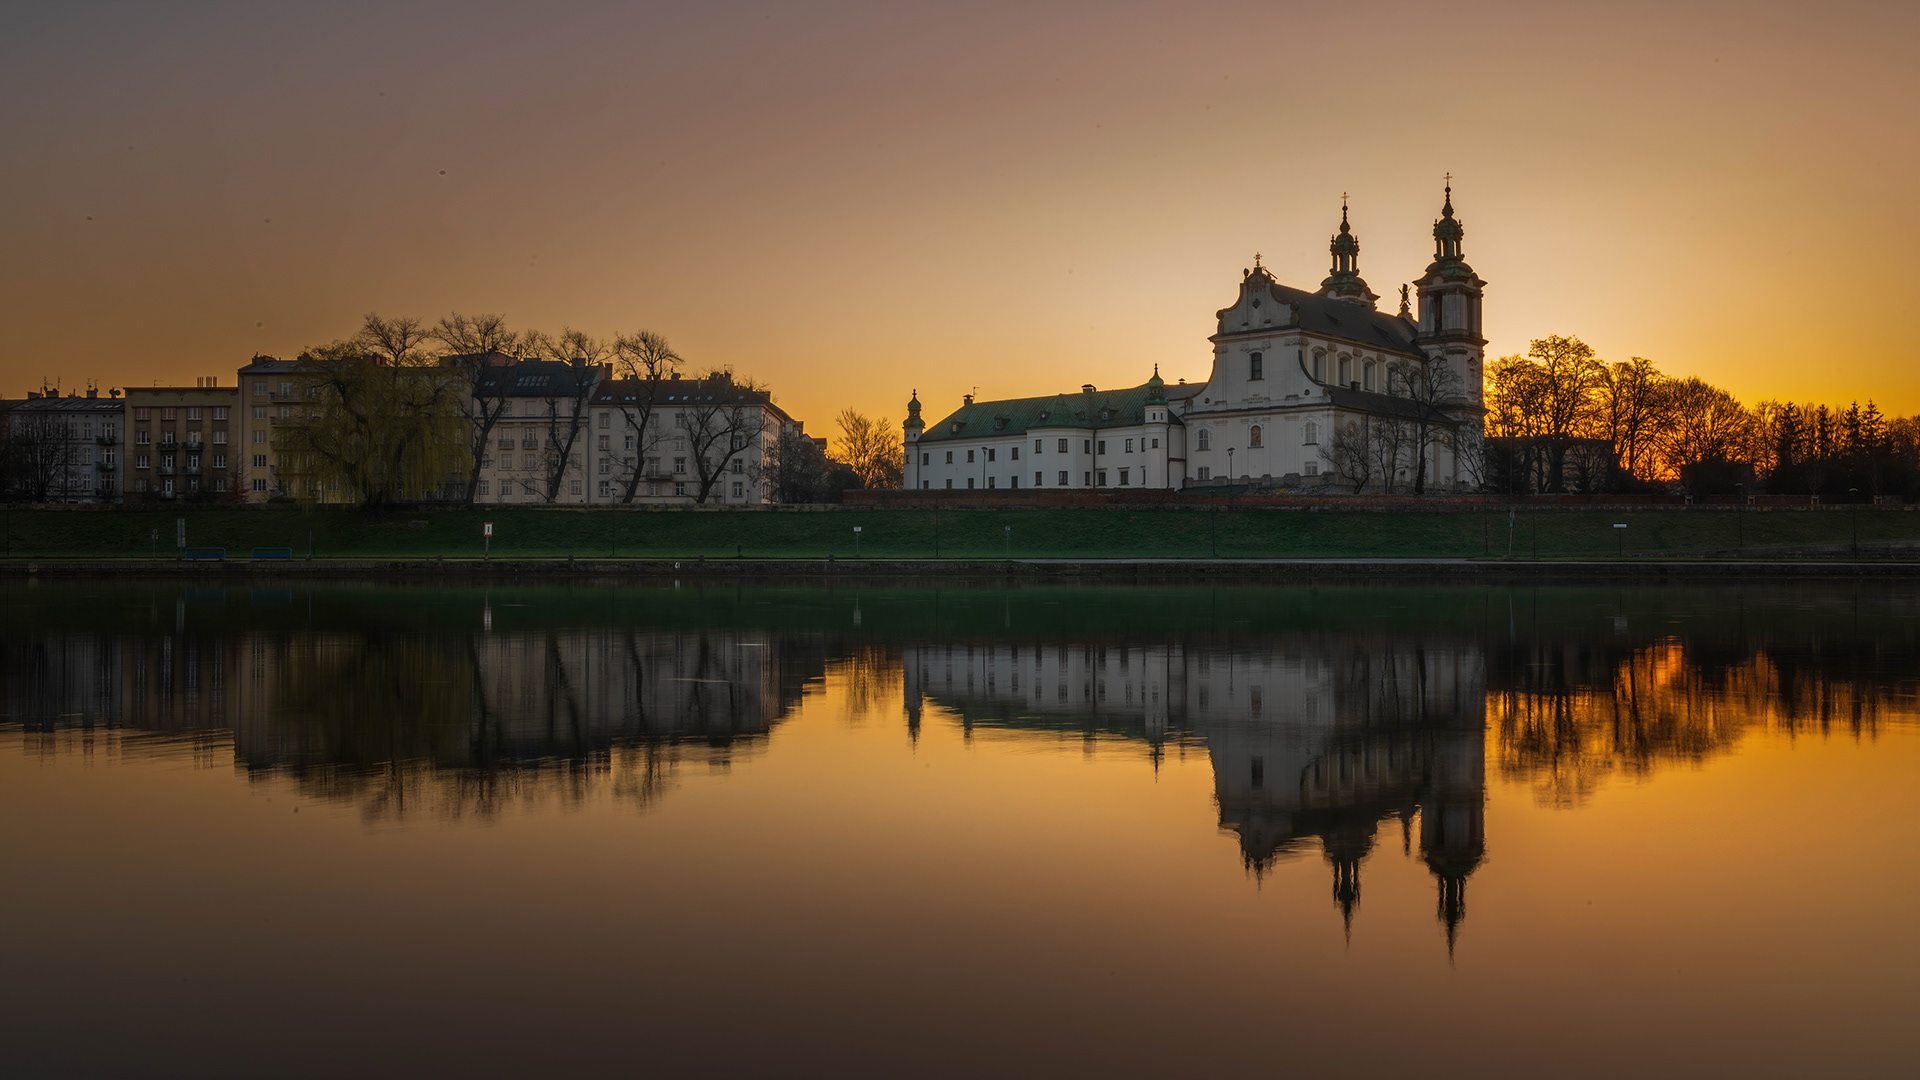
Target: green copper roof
pixel 1017 416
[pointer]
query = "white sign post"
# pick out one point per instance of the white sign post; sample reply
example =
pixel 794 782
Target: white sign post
pixel 856 541
pixel 486 539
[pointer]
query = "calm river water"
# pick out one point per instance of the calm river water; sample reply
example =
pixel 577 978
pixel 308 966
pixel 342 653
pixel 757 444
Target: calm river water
pixel 970 830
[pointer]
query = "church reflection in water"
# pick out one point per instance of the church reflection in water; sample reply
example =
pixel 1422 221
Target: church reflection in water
pixel 1320 739
pixel 1314 741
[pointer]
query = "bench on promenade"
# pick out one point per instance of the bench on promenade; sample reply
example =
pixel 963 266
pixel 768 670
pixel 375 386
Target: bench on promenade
pixel 203 553
pixel 272 553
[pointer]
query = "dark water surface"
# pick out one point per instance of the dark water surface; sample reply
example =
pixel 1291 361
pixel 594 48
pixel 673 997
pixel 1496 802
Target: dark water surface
pixel 389 830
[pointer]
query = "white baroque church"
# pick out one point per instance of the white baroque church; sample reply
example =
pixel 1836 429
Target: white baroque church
pixel 1308 390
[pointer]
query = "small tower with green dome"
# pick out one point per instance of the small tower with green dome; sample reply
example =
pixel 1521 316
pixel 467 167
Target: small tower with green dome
pixel 1344 281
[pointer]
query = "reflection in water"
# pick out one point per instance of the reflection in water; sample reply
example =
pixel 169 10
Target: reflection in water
pixel 1312 739
pixel 1319 737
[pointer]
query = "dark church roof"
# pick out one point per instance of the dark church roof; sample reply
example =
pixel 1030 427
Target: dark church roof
pixel 1326 316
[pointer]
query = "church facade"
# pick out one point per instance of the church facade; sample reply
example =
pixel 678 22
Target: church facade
pixel 1308 390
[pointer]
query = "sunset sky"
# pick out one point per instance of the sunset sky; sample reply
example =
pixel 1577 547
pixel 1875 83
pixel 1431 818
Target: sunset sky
pixel 853 200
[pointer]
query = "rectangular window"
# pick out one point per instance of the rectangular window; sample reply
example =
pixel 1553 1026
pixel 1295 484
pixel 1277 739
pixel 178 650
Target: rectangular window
pixel 1039 446
pixel 629 444
pixel 925 484
pixel 739 466
pixel 166 438
pixel 1256 368
pixel 1063 478
pixel 1123 477
pixel 605 419
pixel 259 461
pixel 679 487
pixel 739 490
pixel 573 488
pixel 193 414
pixel 990 480
pixel 1013 481
pixel 1206 473
pixel 142 461
pixel 167 414
pixel 1040 479
pixel 1086 446
pixel 506 488
pixel 260 390
pixel 259 482
pixel 286 389
pixel 969 481
pixel 679 466
pixel 481 488
pixel 220 414
pixel 143 414
pixel 1103 446
pixel 259 412
pixel 1313 468
pixel 193 462
pixel 142 437
pixel 1063 446
pixel 259 437
pixel 949 485
pixel 969 457
pixel 949 457
pixel 990 453
pixel 1015 451
pixel 1100 478
pixel 219 461
pixel 606 442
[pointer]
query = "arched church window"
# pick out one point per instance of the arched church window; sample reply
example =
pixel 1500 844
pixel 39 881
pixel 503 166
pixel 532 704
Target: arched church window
pixel 1203 438
pixel 1346 370
pixel 1253 437
pixel 1254 365
pixel 1319 365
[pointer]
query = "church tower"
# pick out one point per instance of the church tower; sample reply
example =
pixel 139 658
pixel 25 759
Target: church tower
pixel 910 476
pixel 1449 326
pixel 1343 281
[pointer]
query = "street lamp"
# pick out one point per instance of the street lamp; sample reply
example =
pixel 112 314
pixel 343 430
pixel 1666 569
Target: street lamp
pixel 983 468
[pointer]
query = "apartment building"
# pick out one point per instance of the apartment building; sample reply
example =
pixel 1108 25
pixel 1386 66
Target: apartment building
pixel 180 444
pixel 265 395
pixel 67 449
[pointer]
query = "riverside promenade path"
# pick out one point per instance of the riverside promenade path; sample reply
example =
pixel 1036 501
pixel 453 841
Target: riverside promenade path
pixel 1248 570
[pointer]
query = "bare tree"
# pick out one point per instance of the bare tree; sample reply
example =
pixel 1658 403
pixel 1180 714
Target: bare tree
pixel 474 344
pixel 642 360
pixel 1389 440
pixel 41 453
pixel 719 425
pixel 796 468
pixel 871 448
pixel 568 414
pixel 1633 405
pixel 1350 453
pixel 1431 386
pixel 1707 424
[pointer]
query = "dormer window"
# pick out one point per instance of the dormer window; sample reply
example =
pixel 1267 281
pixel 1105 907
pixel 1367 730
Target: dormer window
pixel 956 427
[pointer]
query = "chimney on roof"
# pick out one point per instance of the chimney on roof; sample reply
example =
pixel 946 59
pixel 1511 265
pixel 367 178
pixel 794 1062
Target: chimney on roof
pixel 93 391
pixel 968 398
pixel 1086 388
pixel 33 395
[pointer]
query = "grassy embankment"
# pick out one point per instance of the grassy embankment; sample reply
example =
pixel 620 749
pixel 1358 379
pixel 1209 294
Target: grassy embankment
pixel 966 534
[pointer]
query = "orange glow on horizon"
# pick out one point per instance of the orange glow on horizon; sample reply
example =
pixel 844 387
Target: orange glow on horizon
pixel 855 201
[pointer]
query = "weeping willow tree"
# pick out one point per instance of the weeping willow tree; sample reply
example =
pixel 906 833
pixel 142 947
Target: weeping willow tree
pixel 376 419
